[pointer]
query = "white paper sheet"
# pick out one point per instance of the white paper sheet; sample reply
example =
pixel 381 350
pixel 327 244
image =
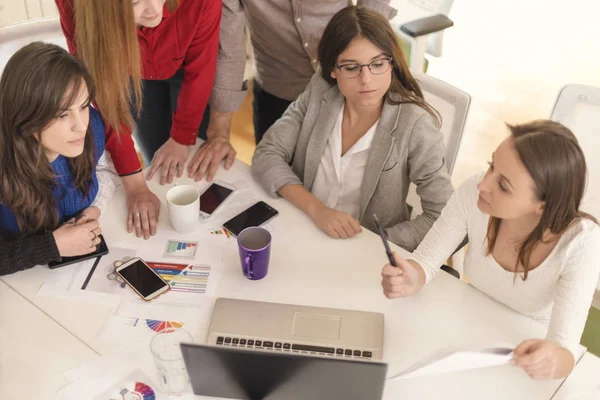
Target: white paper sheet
pixel 100 280
pixel 67 282
pixel 457 360
pixel 244 197
pixel 127 357
pixel 136 385
pixel 104 372
pixel 139 331
pixel 170 246
pixel 100 383
pixel 171 307
pixel 189 298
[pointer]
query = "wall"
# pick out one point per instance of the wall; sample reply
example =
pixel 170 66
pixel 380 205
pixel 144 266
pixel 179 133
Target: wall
pixel 14 11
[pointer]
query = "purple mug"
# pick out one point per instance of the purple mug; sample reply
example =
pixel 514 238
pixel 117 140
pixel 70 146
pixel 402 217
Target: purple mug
pixel 255 250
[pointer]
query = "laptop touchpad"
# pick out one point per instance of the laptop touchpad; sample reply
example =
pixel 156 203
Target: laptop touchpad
pixel 316 325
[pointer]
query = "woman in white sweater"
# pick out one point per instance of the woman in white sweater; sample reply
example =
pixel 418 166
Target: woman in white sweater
pixel 530 247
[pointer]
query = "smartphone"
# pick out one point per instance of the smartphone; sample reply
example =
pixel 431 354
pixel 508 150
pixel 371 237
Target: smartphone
pixel 142 279
pixel 101 250
pixel 256 215
pixel 213 197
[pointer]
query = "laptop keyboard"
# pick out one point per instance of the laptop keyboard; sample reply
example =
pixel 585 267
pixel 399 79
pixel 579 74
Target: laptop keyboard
pixel 293 347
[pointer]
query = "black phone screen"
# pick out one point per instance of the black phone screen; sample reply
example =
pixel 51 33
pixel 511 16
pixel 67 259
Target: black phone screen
pixel 142 278
pixel 256 215
pixel 101 250
pixel 213 197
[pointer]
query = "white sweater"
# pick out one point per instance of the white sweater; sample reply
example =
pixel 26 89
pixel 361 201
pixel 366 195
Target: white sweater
pixel 558 293
pixel 107 182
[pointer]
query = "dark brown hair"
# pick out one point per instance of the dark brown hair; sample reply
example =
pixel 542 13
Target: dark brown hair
pixel 39 83
pixel 355 21
pixel 107 42
pixel 556 163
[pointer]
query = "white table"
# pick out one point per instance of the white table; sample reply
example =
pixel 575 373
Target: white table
pixel 34 350
pixel 312 269
pixel 584 381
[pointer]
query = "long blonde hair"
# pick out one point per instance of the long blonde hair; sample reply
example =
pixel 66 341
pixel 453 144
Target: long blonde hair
pixel 107 42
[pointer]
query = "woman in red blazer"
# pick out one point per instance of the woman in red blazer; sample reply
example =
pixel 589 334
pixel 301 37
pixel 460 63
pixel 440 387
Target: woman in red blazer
pixel 154 64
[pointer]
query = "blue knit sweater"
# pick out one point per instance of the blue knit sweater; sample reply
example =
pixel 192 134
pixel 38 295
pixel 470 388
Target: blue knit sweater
pixel 69 200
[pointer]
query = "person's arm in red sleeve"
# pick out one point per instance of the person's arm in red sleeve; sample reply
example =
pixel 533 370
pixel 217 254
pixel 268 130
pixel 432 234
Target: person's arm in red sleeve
pixel 143 206
pixel 121 149
pixel 67 22
pixel 199 67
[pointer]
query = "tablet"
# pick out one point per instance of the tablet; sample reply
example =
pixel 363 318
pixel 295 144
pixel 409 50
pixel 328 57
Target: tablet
pixel 101 250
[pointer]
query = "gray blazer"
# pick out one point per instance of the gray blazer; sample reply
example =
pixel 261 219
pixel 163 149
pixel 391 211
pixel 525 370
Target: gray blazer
pixel 407 147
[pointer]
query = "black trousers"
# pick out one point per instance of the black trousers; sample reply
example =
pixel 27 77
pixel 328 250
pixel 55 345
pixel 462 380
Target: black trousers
pixel 267 109
pixel 154 123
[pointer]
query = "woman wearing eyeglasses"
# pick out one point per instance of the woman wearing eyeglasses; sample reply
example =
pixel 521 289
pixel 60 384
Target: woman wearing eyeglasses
pixel 357 137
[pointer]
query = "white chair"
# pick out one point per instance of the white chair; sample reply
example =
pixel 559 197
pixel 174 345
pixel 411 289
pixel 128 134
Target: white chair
pixel 422 23
pixel 453 106
pixel 578 108
pixel 13 37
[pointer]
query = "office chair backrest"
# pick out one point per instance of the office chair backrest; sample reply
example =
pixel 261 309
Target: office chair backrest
pixel 578 108
pixel 453 107
pixel 410 10
pixel 14 37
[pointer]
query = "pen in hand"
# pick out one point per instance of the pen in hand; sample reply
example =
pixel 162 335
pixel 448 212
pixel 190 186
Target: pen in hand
pixel 383 235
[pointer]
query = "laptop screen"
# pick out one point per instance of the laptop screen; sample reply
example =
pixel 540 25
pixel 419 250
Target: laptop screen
pixel 234 373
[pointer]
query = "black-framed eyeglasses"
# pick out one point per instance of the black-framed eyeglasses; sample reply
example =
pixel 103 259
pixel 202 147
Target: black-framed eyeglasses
pixel 377 67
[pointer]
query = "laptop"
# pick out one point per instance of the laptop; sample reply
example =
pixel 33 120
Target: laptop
pixel 297 330
pixel 240 373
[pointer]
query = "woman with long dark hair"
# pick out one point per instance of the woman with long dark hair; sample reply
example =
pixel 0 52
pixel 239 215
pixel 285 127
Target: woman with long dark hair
pixel 530 245
pixel 56 178
pixel 357 137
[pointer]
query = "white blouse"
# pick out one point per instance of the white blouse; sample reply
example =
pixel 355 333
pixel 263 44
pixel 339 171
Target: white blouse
pixel 339 178
pixel 558 293
pixel 108 180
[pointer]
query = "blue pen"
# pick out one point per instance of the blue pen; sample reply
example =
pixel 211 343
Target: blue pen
pixel 384 240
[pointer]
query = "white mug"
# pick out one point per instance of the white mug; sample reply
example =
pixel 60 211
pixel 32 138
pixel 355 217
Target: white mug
pixel 183 203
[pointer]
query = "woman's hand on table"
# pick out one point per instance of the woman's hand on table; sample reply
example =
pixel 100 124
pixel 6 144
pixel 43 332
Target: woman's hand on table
pixel 336 224
pixel 77 239
pixel 217 148
pixel 171 156
pixel 143 207
pixel 208 157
